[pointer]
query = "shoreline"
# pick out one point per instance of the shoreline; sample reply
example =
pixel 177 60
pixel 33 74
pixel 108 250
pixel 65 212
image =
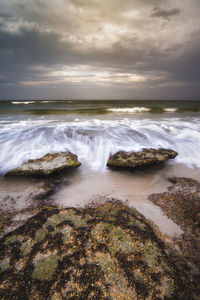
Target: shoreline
pixel 78 188
pixel 37 231
pixel 178 273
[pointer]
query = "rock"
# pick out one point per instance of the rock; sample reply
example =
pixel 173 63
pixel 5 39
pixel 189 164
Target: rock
pixel 105 252
pixel 47 165
pixel 17 206
pixel 182 197
pixel 140 159
pixel 181 203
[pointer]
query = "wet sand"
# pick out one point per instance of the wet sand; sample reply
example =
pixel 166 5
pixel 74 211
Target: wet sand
pixel 132 187
pixel 78 188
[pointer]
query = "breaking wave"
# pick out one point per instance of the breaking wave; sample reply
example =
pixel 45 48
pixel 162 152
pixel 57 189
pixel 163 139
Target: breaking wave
pixel 133 110
pixel 129 110
pixel 170 109
pixel 94 140
pixel 24 102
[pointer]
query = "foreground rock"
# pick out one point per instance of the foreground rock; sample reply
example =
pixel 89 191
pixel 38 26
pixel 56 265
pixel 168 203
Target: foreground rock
pixel 20 197
pixel 104 252
pixel 141 159
pixel 181 203
pixel 47 165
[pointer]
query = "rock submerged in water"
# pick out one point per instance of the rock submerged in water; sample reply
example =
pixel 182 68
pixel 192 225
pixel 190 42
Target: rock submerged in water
pixel 106 252
pixel 47 165
pixel 140 159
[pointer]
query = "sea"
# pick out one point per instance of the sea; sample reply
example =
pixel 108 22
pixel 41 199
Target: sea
pixel 96 129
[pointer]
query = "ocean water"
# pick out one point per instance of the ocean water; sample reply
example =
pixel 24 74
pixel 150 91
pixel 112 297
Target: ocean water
pixel 94 130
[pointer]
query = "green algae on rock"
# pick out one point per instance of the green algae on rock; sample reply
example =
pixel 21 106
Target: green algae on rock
pixel 140 159
pixel 47 165
pixel 105 252
pixel 181 203
pixel 19 205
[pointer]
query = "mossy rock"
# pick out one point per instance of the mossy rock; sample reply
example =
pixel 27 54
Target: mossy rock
pixel 47 165
pixel 140 159
pixel 181 203
pixel 105 252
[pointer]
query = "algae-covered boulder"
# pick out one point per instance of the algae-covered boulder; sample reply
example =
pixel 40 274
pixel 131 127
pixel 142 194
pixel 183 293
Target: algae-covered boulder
pixel 181 203
pixel 47 165
pixel 140 159
pixel 105 252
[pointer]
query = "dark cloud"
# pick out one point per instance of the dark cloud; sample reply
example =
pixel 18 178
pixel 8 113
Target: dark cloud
pixel 98 49
pixel 165 13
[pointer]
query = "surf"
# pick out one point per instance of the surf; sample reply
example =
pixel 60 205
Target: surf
pixel 94 140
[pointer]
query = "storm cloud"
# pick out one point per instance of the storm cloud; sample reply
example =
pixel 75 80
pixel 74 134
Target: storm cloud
pixel 165 13
pixel 99 49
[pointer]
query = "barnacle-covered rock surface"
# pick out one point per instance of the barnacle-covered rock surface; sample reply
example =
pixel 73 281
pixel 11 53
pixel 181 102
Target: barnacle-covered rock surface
pixel 109 251
pixel 47 165
pixel 181 203
pixel 141 159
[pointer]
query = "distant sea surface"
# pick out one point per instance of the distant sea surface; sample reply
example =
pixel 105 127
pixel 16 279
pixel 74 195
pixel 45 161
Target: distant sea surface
pixel 95 129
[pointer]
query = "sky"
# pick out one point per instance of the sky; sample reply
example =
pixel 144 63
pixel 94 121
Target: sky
pixel 99 49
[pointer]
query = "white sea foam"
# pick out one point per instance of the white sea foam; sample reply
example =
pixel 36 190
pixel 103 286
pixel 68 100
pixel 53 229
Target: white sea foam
pixel 48 101
pixel 23 102
pixel 170 109
pixel 93 140
pixel 130 110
